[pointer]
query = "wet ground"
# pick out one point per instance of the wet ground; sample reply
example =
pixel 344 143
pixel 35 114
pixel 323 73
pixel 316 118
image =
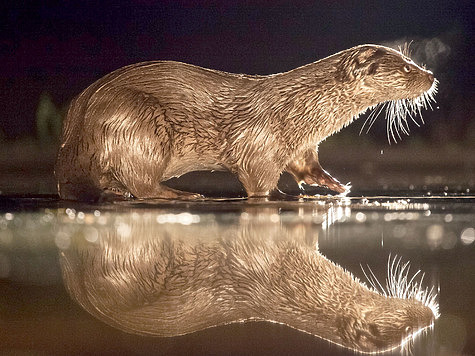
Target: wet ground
pixel 422 212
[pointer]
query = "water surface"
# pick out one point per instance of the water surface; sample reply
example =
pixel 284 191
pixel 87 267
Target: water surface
pixel 435 233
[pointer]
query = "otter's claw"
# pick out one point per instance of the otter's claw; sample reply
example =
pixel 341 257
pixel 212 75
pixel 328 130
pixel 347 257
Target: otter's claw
pixel 308 170
pixel 323 179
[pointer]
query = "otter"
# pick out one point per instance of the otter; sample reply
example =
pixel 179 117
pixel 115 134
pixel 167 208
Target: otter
pixel 145 123
pixel 168 279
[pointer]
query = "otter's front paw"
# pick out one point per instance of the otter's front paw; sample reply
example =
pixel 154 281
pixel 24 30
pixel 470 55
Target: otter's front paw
pixel 323 179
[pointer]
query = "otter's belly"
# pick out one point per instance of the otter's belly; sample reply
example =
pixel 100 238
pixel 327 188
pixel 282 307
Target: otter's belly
pixel 178 166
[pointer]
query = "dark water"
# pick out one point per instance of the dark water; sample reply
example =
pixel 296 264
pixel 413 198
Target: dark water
pixel 38 316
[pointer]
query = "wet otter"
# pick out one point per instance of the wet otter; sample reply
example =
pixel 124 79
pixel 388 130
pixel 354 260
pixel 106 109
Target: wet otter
pixel 146 123
pixel 172 279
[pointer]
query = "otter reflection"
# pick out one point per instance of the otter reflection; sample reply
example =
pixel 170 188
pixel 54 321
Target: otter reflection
pixel 157 275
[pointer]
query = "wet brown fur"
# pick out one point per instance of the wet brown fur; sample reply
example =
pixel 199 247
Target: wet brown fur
pixel 143 124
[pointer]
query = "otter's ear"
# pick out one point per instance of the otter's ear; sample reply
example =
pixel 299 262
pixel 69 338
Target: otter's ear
pixel 364 54
pixel 362 61
pixel 366 61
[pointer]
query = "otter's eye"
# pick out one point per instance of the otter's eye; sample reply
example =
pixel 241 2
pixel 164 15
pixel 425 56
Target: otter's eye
pixel 407 68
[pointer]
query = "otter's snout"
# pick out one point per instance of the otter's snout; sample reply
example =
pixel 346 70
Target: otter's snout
pixel 430 78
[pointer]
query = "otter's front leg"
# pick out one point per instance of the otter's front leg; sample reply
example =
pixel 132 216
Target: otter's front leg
pixel 259 179
pixel 307 170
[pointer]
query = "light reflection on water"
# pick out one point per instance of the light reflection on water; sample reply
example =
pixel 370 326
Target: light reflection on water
pixel 436 237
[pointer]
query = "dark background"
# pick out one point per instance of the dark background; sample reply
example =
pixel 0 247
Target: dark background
pixel 59 47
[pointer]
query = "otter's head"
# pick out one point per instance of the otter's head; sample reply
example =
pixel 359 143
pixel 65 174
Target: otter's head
pixel 392 315
pixel 386 74
pixel 381 75
pixel 391 322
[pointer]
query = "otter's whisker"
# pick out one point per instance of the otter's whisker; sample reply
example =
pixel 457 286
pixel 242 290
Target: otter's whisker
pixel 418 108
pixel 398 110
pixel 374 115
pixel 368 278
pixel 371 117
pixel 367 118
pixel 399 118
pixel 427 100
pixel 393 275
pixel 400 280
pixel 409 110
pixel 389 123
pixel 407 347
pixel 402 110
pixel 391 115
pixel 373 280
pixel 424 101
pixel 416 286
pixel 399 285
pixel 412 112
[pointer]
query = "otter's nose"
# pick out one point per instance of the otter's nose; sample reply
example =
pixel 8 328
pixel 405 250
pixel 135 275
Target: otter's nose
pixel 431 77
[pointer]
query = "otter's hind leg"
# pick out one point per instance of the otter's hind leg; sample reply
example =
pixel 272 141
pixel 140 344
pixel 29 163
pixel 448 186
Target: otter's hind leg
pixel 143 177
pixel 74 181
pixel 79 191
pixel 308 170
pixel 139 142
pixel 142 190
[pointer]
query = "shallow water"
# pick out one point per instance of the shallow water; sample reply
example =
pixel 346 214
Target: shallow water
pixel 37 315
